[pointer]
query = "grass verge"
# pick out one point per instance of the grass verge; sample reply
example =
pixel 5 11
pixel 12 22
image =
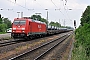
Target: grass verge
pixel 79 53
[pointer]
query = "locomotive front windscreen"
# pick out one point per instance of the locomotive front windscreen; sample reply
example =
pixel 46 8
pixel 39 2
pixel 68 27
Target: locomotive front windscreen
pixel 20 22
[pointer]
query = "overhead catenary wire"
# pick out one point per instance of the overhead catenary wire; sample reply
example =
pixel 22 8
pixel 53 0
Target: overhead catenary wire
pixel 3 9
pixel 67 16
pixel 38 3
pixel 54 3
pixel 64 4
pixel 66 9
pixel 19 5
pixel 13 10
pixel 57 7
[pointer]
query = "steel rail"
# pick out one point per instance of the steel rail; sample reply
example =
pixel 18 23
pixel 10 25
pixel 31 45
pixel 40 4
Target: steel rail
pixel 16 57
pixel 37 58
pixel 5 43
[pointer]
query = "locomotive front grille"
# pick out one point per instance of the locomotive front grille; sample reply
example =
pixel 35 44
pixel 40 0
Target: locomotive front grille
pixel 18 34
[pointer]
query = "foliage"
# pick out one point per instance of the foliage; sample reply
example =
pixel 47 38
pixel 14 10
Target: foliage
pixel 55 24
pixel 7 22
pixel 52 23
pixel 44 20
pixel 4 24
pixel 39 18
pixel 82 35
pixel 79 54
pixel 86 16
pixel 36 17
pixel 0 20
pixel 3 27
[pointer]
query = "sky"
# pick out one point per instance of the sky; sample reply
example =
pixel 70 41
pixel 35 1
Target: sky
pixel 58 10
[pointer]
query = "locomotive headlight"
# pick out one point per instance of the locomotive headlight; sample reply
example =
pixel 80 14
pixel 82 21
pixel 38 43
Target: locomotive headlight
pixel 14 28
pixel 23 28
pixel 13 31
pixel 23 31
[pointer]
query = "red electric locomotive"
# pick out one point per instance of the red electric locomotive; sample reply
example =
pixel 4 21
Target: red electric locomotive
pixel 26 27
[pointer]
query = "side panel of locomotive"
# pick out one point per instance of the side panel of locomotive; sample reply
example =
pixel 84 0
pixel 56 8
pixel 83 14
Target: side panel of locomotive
pixel 37 28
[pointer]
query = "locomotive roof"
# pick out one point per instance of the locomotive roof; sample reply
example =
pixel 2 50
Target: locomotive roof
pixel 38 21
pixel 32 20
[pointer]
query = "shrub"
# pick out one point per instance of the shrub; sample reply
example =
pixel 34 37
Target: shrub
pixel 3 27
pixel 83 38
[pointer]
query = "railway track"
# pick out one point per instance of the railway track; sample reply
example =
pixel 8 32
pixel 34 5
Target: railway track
pixel 10 42
pixel 38 52
pixel 5 43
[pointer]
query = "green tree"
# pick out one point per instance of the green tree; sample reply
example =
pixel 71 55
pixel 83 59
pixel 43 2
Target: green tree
pixel 55 24
pixel 0 19
pixel 4 24
pixel 82 34
pixel 52 23
pixel 44 20
pixel 36 17
pixel 7 22
pixel 86 16
pixel 83 37
pixel 3 27
pixel 39 18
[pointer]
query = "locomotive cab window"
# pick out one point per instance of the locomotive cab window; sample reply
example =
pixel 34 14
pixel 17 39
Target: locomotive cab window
pixel 21 22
